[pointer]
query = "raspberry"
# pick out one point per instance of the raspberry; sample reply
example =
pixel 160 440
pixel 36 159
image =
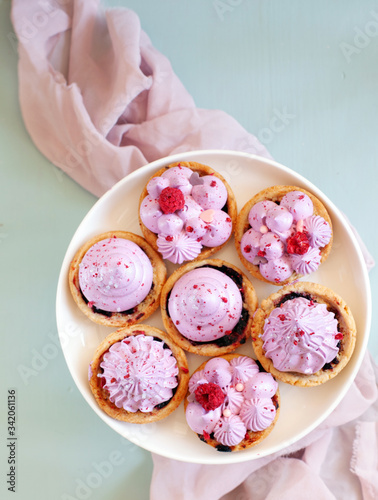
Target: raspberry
pixel 298 243
pixel 171 199
pixel 206 435
pixel 209 396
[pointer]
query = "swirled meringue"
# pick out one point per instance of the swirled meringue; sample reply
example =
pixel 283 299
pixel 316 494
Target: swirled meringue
pixel 300 336
pixel 115 275
pixel 306 263
pixel 178 247
pixel 318 230
pixel 230 430
pixel 258 414
pixel 234 399
pixel 243 368
pixel 139 373
pixel 205 304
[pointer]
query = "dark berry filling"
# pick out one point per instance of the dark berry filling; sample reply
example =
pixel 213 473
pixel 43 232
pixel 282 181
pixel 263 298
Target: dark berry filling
pixel 222 447
pixel 237 333
pixel 334 362
pixel 109 314
pixel 219 447
pixel 291 296
pixel 236 277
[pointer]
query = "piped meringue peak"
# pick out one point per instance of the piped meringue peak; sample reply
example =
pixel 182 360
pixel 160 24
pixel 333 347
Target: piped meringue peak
pixel 184 209
pixel 229 400
pixel 304 334
pixel 116 278
pixel 115 275
pixel 207 307
pixel 286 236
pixel 205 304
pixel 139 373
pixel 301 336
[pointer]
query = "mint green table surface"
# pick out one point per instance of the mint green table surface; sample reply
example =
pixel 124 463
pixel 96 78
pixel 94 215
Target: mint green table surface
pixel 315 63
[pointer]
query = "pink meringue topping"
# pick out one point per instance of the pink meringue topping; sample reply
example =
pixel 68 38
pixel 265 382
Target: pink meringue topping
pixel 115 275
pixel 230 430
pixel 301 336
pixel 257 413
pixel 211 194
pixel 273 227
pixel 139 373
pixel 243 368
pixel 187 226
pixel 178 248
pixel 205 304
pixel 242 410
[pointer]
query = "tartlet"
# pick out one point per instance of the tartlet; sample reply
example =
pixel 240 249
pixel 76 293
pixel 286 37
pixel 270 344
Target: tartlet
pixel 251 398
pixel 174 366
pixel 282 234
pixel 113 269
pixel 187 220
pixel 304 334
pixel 232 300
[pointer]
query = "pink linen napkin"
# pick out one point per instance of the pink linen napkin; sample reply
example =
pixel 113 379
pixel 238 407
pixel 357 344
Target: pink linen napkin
pixel 99 101
pixel 97 98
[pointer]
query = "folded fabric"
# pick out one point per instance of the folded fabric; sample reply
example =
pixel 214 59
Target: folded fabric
pixel 99 101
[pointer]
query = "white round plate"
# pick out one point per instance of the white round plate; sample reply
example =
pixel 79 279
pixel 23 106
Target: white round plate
pixel 302 409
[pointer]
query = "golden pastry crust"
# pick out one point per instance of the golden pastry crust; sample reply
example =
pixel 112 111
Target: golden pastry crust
pixel 250 304
pixel 251 438
pixel 346 325
pixel 142 310
pixel 102 396
pixel 275 194
pixel 231 206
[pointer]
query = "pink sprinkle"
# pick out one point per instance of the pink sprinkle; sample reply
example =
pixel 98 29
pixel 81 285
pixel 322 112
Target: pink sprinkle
pixel 207 215
pixel 264 229
pixel 226 412
pixel 239 387
pixel 300 226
